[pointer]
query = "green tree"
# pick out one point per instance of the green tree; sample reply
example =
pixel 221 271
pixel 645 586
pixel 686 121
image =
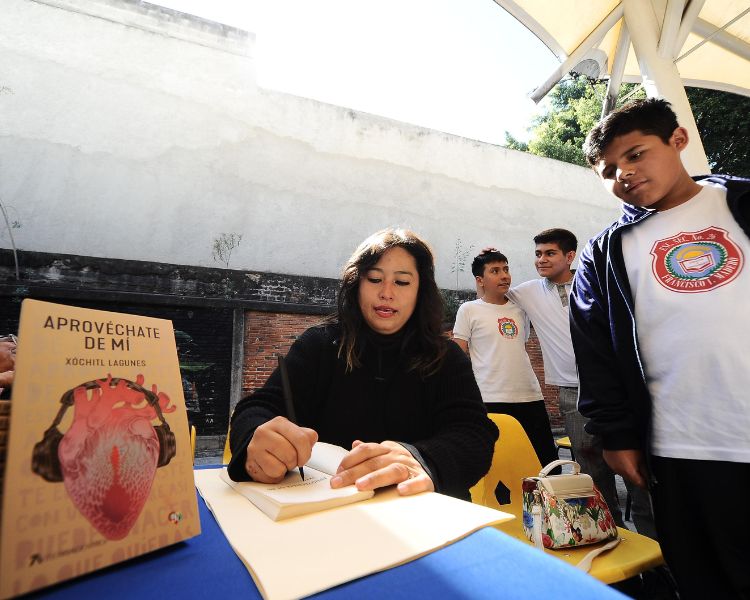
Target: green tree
pixel 722 118
pixel 575 106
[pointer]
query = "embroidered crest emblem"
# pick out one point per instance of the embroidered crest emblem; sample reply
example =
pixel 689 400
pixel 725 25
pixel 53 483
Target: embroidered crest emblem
pixel 507 327
pixel 698 261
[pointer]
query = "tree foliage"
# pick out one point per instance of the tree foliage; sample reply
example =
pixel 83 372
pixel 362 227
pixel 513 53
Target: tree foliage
pixel 574 107
pixel 723 120
pixel 575 104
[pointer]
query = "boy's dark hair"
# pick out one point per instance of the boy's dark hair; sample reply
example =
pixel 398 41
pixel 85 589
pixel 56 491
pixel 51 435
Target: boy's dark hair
pixel 483 258
pixel 562 237
pixel 651 117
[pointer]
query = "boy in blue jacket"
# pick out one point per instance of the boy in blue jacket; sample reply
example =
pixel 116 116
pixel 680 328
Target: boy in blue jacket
pixel 661 340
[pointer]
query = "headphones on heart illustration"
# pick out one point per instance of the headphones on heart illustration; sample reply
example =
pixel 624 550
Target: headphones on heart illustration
pixel 45 461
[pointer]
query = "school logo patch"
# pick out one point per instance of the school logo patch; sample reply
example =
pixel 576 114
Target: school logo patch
pixel 507 327
pixel 700 261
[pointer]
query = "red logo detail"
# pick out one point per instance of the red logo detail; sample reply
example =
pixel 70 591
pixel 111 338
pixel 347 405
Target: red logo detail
pixel 699 261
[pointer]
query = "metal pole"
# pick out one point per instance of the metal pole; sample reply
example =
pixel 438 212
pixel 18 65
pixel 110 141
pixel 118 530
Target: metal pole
pixel 662 79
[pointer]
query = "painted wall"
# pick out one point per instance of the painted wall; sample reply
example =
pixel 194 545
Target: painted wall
pixel 131 131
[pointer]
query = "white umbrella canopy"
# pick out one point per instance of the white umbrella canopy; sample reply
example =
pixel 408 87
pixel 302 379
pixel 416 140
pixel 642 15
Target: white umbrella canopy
pixel 665 44
pixel 709 41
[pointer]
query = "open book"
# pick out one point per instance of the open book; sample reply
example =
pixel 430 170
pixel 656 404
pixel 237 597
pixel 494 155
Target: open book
pixel 293 496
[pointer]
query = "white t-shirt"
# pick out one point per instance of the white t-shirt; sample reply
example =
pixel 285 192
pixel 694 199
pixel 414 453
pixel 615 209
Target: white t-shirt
pixel 691 287
pixel 497 334
pixel 541 301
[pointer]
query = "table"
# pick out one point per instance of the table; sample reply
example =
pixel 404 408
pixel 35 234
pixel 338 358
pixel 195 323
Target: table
pixel 487 564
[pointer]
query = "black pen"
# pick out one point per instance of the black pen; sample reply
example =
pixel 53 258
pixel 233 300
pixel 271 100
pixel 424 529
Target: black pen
pixel 288 398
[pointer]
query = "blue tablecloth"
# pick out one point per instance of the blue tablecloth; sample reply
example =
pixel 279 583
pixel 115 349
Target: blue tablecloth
pixel 487 564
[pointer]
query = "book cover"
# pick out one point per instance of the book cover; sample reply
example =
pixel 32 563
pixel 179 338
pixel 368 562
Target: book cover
pixel 294 496
pixel 99 462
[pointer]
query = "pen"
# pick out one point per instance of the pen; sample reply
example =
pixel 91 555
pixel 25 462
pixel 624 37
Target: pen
pixel 288 398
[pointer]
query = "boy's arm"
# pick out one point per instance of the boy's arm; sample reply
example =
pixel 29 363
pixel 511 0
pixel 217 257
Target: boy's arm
pixel 603 394
pixel 462 329
pixel 513 295
pixel 526 326
pixel 463 344
pixel 629 464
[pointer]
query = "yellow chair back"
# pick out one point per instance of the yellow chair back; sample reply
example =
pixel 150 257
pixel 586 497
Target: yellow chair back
pixel 227 452
pixel 192 441
pixel 513 459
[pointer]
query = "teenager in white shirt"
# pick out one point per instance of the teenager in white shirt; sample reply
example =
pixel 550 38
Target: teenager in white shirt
pixel 493 330
pixel 546 301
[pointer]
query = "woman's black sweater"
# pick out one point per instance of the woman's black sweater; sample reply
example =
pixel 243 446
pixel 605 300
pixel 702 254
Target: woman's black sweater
pixel 440 418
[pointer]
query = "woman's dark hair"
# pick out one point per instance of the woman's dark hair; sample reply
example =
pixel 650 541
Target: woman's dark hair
pixel 423 332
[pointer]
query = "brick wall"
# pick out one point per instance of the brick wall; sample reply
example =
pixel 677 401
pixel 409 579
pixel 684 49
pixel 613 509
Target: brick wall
pixel 200 301
pixel 550 392
pixel 268 334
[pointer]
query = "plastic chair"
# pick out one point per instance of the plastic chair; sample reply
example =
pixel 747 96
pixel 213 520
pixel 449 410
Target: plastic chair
pixel 192 441
pixel 564 442
pixel 513 459
pixel 227 452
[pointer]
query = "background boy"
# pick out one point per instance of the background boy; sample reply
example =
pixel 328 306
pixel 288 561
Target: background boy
pixel 494 330
pixel 661 342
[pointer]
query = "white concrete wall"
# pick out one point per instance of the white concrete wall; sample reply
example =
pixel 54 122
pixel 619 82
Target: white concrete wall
pixel 133 132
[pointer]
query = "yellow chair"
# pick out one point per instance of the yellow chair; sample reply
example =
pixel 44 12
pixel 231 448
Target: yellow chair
pixel 192 441
pixel 564 442
pixel 513 459
pixel 227 451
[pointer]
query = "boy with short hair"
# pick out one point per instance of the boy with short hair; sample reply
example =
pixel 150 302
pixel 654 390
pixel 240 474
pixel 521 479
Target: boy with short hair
pixel 660 337
pixel 493 330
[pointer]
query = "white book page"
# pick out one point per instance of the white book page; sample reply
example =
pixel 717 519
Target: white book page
pixel 326 458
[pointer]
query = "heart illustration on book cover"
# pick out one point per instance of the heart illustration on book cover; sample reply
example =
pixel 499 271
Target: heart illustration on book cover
pixel 108 457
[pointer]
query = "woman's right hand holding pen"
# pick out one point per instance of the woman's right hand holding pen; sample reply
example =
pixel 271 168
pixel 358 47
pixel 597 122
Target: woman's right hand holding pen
pixel 276 447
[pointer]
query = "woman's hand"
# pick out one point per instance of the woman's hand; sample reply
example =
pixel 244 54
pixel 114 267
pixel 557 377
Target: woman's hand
pixel 370 466
pixel 278 446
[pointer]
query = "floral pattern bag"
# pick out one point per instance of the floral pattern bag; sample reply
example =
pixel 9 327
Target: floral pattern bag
pixel 560 511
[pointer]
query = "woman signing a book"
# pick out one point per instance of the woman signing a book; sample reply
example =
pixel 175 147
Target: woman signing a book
pixel 379 377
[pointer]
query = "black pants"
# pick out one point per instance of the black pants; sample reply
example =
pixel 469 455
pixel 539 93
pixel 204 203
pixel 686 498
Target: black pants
pixel 700 508
pixel 535 422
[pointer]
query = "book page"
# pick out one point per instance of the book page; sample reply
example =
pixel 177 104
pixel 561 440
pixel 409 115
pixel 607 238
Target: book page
pixel 293 496
pixel 326 457
pixel 332 547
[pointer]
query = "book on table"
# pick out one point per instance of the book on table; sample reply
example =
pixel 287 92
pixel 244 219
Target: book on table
pixel 294 496
pixel 99 464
